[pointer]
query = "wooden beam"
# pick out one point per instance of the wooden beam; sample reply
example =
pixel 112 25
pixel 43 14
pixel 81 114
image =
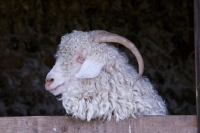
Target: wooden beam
pixel 66 124
pixel 197 57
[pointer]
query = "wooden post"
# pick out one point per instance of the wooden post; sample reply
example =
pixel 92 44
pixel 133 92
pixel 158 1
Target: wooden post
pixel 197 57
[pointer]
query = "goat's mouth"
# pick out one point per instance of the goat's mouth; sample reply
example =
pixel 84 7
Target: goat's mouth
pixel 54 90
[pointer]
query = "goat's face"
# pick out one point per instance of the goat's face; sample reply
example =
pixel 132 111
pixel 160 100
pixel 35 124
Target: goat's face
pixel 74 60
pixel 80 55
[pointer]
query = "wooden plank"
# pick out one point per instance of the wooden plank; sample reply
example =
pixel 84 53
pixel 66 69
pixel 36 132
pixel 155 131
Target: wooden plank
pixel 197 57
pixel 63 124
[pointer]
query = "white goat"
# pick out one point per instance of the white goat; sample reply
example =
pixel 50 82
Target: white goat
pixel 96 81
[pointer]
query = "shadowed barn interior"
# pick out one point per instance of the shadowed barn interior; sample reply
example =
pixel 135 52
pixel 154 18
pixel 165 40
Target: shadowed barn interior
pixel 30 31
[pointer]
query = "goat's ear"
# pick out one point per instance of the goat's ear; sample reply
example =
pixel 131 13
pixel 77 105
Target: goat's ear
pixel 90 69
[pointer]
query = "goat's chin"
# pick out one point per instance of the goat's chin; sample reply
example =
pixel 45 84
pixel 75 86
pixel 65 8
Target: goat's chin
pixel 57 91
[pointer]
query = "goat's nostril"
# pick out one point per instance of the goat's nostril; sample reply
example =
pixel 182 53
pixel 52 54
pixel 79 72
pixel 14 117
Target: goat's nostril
pixel 49 81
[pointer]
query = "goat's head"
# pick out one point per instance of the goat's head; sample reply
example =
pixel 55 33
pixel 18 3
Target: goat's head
pixel 80 56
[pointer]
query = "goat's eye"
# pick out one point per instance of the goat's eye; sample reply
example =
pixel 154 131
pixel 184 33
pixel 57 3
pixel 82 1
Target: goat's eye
pixel 80 59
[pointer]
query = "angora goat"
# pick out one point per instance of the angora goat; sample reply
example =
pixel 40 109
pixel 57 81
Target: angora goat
pixel 96 81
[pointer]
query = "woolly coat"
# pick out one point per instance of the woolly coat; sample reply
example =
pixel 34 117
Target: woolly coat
pixel 113 92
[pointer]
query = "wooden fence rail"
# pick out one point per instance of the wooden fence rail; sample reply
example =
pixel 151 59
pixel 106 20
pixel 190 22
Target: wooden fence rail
pixel 66 124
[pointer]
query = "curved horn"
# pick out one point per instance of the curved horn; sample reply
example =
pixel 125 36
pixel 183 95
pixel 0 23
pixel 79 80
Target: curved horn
pixel 104 36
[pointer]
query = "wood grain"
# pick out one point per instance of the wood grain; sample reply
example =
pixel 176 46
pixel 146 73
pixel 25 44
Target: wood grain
pixel 66 124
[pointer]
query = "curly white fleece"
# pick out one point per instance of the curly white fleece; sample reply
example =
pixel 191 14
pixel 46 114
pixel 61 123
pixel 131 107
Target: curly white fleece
pixel 114 92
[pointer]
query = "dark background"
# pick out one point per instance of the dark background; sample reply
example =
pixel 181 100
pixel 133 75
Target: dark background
pixel 31 30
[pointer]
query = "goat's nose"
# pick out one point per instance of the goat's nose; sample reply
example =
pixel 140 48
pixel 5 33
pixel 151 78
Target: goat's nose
pixel 49 81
